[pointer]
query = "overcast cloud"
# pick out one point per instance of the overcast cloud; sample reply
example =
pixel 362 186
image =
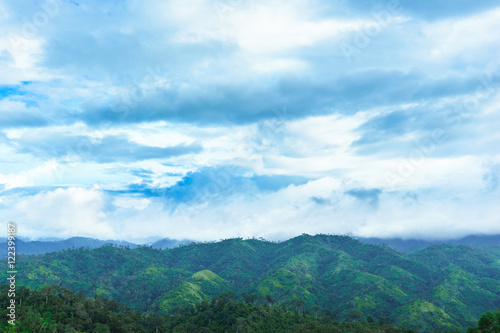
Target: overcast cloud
pixel 210 119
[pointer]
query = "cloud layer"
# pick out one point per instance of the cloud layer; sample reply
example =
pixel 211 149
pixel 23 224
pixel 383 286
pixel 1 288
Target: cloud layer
pixel 142 119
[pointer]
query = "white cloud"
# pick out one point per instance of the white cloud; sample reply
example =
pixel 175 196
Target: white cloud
pixel 282 52
pixel 275 215
pixel 279 26
pixel 38 176
pixel 62 212
pixel 131 203
pixel 278 65
pixel 464 38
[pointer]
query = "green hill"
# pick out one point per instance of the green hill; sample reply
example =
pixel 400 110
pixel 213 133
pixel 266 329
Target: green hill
pixel 440 287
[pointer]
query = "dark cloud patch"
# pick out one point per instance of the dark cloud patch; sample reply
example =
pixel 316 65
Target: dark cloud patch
pixel 369 196
pixel 105 150
pixel 384 134
pixel 446 127
pixel 252 101
pixel 388 127
pixel 22 118
pixel 220 105
pixel 116 42
pixel 321 201
pixel 369 88
pixel 111 46
pixel 132 58
pixel 19 107
pixel 143 173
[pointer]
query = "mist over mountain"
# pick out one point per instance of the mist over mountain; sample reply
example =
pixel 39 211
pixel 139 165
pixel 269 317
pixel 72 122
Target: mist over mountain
pixel 168 243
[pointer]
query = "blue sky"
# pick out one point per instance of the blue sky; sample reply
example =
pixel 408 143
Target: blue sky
pixel 214 118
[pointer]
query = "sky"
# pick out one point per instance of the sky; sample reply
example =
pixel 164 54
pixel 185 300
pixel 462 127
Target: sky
pixel 208 119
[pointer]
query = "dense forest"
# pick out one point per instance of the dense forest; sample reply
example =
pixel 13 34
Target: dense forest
pixel 56 309
pixel 308 280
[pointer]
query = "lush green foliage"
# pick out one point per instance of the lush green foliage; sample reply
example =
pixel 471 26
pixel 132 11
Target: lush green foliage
pixel 55 309
pixel 226 313
pixel 488 323
pixel 441 287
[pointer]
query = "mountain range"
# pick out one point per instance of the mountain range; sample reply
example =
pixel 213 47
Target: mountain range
pixel 405 245
pixel 437 287
pixel 399 244
pixel 47 246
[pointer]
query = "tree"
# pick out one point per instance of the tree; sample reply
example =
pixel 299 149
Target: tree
pixel 316 310
pixel 355 315
pixel 488 323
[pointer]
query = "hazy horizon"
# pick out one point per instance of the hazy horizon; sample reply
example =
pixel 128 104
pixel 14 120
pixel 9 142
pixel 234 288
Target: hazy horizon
pixel 218 119
pixel 152 240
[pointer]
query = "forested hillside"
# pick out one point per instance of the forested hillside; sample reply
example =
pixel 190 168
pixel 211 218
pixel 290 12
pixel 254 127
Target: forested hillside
pixel 55 309
pixel 442 287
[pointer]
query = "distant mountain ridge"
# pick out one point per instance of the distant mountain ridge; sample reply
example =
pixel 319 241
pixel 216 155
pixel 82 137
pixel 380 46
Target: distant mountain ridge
pixel 404 245
pixel 47 246
pixel 399 244
pixel 42 247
